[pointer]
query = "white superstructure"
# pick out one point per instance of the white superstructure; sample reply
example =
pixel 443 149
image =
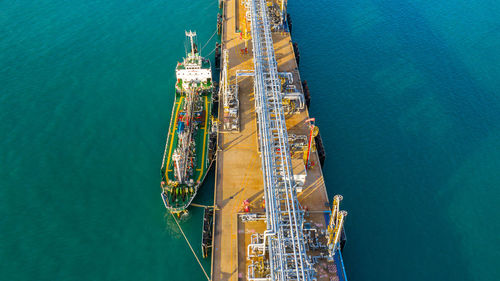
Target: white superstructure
pixel 194 68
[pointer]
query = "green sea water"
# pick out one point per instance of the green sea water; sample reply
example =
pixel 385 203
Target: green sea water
pixel 405 94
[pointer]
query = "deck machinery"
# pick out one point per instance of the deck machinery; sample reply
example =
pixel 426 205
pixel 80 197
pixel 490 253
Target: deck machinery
pixel 230 101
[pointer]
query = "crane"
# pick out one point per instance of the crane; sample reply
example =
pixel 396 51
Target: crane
pixel 335 225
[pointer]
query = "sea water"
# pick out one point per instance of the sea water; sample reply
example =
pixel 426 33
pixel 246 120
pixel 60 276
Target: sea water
pixel 405 94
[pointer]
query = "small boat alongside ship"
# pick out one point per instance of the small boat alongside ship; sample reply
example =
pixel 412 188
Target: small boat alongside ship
pixel 191 139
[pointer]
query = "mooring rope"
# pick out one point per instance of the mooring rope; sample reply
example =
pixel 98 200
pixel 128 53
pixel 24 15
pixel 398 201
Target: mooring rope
pixel 208 40
pixel 212 51
pixel 189 244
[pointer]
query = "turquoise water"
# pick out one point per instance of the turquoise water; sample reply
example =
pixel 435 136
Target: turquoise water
pixel 405 94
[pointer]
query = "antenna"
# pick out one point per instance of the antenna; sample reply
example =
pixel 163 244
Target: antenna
pixel 191 35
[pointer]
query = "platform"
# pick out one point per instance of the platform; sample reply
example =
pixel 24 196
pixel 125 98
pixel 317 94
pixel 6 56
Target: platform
pixel 238 167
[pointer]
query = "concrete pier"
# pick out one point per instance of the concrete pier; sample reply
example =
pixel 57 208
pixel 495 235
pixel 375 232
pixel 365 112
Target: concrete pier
pixel 238 169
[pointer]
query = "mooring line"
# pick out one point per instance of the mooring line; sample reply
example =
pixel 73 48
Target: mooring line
pixel 208 40
pixel 212 51
pixel 189 244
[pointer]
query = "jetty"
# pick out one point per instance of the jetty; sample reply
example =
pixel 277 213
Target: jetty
pixel 273 219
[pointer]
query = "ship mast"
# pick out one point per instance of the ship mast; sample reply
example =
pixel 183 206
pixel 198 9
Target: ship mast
pixel 191 35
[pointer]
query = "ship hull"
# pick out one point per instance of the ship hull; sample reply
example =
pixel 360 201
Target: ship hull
pixel 178 196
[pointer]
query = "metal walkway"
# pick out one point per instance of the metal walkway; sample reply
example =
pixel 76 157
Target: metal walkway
pixel 283 240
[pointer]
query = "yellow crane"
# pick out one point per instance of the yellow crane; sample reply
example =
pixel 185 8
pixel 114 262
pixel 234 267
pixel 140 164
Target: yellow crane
pixel 335 225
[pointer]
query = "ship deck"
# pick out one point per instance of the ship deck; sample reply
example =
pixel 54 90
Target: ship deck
pixel 201 139
pixel 238 170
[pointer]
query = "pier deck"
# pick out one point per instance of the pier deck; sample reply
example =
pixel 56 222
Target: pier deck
pixel 238 169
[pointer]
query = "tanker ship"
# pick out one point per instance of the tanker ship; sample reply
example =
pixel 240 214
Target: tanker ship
pixel 191 138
